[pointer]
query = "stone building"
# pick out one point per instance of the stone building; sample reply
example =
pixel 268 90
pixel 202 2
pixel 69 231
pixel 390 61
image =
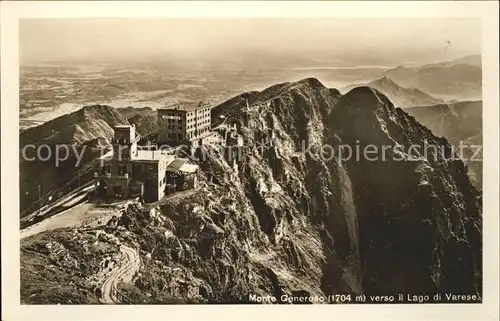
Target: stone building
pixel 183 123
pixel 128 171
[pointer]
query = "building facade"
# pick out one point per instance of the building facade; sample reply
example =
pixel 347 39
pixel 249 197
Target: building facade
pixel 127 171
pixel 184 122
pixel 124 142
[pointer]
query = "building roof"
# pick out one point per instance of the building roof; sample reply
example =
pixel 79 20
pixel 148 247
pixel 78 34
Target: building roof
pixel 177 163
pixel 188 168
pixel 186 106
pixel 145 155
pixel 152 155
pixel 181 165
pixel 173 164
pixel 107 156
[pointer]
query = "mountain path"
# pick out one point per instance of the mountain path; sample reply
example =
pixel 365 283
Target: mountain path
pixel 124 272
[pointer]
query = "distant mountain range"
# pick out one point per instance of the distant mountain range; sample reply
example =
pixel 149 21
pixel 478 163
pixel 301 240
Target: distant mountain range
pixel 400 96
pixel 474 60
pixel 459 79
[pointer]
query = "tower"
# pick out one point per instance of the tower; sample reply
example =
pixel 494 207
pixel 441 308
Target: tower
pixel 124 142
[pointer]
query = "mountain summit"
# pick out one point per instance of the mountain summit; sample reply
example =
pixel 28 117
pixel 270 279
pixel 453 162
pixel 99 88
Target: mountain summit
pixel 420 201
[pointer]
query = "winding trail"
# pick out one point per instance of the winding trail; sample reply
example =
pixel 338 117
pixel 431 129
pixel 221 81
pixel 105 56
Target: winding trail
pixel 123 272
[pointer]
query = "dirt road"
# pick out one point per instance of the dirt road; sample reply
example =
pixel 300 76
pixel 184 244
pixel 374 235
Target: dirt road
pixel 122 272
pixel 84 214
pixel 66 218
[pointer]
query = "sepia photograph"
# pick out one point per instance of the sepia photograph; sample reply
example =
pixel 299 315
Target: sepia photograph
pixel 251 160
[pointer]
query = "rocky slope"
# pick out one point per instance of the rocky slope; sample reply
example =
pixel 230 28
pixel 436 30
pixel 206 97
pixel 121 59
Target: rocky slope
pixel 85 131
pixel 144 124
pixel 400 96
pixel 423 201
pixel 78 127
pixel 286 218
pixel 460 123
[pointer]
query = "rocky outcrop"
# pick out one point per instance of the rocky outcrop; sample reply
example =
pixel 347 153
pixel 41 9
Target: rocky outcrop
pixel 419 215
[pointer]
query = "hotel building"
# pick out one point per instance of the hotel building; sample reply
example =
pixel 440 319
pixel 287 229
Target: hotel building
pixel 182 123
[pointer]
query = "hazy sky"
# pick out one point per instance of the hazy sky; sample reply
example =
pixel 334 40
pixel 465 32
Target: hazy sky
pixel 392 39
